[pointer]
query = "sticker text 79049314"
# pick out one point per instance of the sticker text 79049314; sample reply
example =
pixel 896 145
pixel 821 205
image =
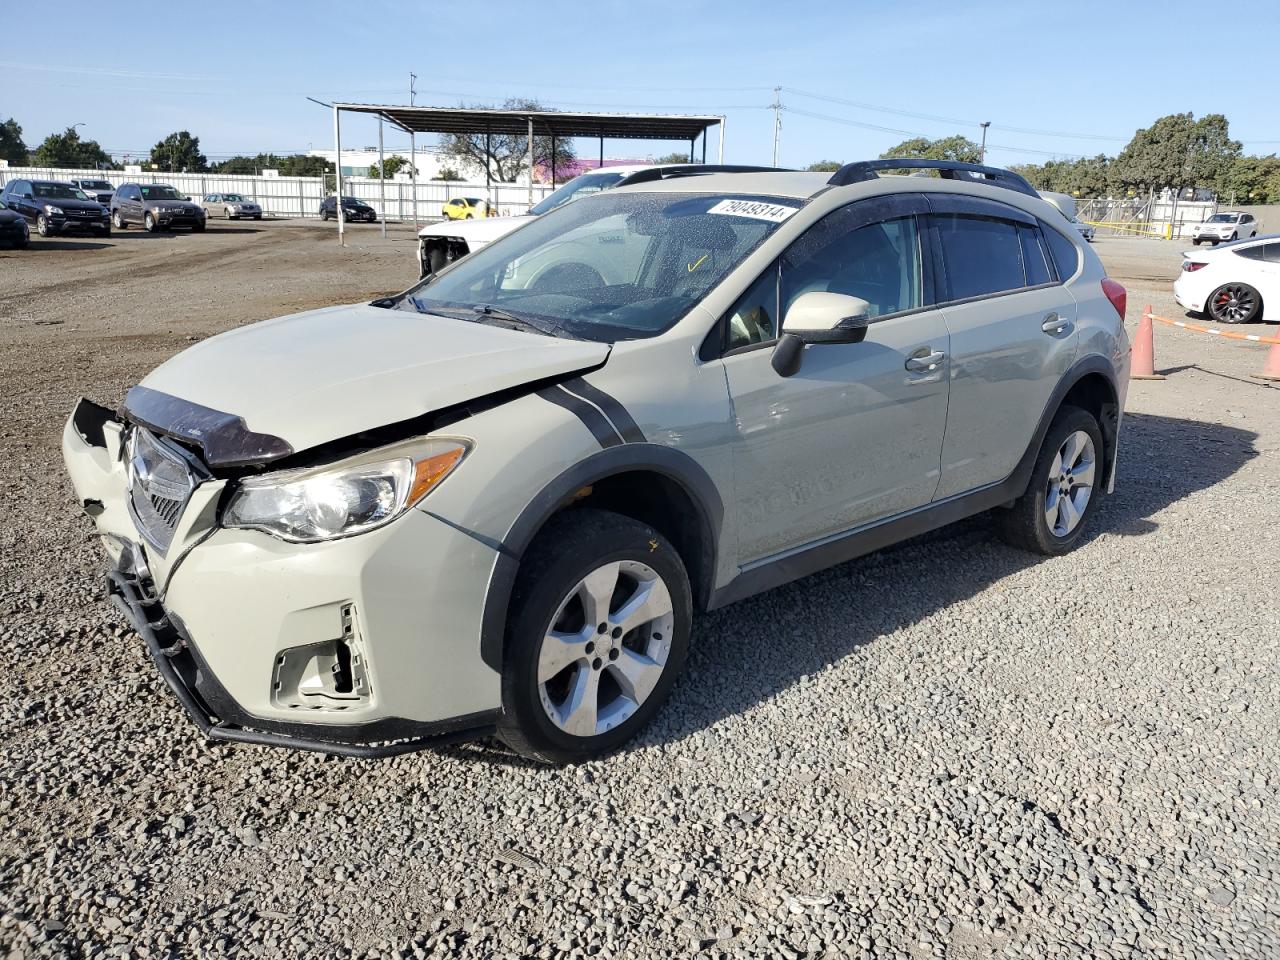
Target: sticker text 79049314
pixel 773 212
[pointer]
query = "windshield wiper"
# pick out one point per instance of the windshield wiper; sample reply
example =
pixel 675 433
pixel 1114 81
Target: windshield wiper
pixel 497 313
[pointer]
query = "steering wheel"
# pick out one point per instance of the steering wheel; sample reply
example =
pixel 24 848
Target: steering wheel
pixel 567 278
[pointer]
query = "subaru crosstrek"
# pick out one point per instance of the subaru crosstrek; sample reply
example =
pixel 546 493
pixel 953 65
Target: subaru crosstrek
pixel 496 502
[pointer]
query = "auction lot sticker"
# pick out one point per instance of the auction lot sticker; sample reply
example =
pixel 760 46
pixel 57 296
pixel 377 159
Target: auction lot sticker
pixel 773 212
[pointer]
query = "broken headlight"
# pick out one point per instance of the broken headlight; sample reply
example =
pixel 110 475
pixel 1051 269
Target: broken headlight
pixel 341 500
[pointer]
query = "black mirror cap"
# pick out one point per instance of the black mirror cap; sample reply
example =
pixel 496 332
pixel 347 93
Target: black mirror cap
pixel 786 355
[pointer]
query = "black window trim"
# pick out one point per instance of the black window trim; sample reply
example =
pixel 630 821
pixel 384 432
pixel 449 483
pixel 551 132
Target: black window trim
pixel 898 206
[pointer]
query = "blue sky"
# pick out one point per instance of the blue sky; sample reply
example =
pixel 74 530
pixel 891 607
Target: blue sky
pixel 1054 79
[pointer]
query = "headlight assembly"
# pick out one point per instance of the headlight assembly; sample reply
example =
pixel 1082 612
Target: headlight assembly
pixel 344 499
pixel 53 211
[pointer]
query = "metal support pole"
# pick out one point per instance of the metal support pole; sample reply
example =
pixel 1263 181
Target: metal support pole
pixel 983 153
pixel 382 181
pixel 553 161
pixel 720 152
pixel 337 168
pixel 777 121
pixel 413 174
pixel 692 145
pixel 704 145
pixel 531 161
pixel 488 177
pixel 601 166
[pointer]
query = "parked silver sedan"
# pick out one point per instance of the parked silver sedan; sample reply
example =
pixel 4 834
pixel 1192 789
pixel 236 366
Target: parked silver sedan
pixel 233 206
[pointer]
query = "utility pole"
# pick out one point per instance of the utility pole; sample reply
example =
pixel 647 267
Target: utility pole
pixel 982 156
pixel 412 77
pixel 777 120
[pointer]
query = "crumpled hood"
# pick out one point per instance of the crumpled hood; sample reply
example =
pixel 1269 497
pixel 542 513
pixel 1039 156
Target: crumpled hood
pixel 327 374
pixel 477 233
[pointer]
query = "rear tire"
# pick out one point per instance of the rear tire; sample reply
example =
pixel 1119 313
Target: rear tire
pixel 563 675
pixel 1233 303
pixel 1050 517
pixel 1196 242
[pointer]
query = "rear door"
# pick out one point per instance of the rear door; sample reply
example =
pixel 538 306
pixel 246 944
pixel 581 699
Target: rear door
pixel 1013 335
pixel 856 434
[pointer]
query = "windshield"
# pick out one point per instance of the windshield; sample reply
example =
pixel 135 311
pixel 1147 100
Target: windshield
pixel 620 266
pixel 1224 218
pixel 233 197
pixel 351 202
pixel 95 185
pixel 159 191
pixel 578 187
pixel 57 191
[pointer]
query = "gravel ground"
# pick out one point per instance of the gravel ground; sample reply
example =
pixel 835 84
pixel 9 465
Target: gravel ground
pixel 949 749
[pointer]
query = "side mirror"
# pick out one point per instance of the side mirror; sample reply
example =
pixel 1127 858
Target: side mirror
pixel 819 318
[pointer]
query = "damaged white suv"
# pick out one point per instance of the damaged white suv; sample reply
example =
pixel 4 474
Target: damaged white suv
pixel 495 503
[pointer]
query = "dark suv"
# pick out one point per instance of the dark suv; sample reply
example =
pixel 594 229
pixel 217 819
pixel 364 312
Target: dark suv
pixel 55 207
pixel 157 206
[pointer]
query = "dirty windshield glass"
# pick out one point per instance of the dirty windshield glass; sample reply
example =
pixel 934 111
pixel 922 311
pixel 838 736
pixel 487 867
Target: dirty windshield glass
pixel 57 191
pixel 576 189
pixel 616 266
pixel 160 191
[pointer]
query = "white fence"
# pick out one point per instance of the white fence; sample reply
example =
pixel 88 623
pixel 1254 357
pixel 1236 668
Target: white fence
pixel 301 196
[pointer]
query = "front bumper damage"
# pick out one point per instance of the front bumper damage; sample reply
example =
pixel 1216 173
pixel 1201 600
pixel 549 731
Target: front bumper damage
pixel 242 627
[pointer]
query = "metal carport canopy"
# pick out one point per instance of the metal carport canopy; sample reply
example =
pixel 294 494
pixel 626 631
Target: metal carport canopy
pixel 546 123
pixel 531 123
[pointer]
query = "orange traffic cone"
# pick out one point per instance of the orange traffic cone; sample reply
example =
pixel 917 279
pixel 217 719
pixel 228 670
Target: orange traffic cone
pixel 1271 369
pixel 1143 366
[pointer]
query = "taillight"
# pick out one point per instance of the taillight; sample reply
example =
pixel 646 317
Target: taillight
pixel 1191 266
pixel 1117 294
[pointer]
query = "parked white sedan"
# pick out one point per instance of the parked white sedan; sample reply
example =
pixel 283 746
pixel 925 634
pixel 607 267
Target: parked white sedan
pixel 233 206
pixel 1232 283
pixel 1225 227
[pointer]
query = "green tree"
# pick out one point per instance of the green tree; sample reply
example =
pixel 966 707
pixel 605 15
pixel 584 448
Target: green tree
pixel 677 157
pixel 179 153
pixel 944 148
pixel 11 146
pixel 67 150
pixel 390 166
pixel 1254 180
pixel 1082 177
pixel 507 155
pixel 1177 151
pixel 292 165
pixel 825 166
pixel 447 173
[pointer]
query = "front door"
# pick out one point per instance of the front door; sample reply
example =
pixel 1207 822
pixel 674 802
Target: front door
pixel 856 434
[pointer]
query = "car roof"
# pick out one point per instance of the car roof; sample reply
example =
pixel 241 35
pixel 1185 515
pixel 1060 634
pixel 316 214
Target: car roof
pixel 799 186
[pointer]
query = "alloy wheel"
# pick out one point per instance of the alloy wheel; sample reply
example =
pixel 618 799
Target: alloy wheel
pixel 1070 484
pixel 606 648
pixel 1233 303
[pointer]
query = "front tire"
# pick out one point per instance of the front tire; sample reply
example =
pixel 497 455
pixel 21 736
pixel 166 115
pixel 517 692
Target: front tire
pixel 118 221
pixel 598 632
pixel 149 222
pixel 1050 517
pixel 42 225
pixel 1196 242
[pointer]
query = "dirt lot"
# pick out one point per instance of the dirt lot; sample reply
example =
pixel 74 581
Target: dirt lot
pixel 950 749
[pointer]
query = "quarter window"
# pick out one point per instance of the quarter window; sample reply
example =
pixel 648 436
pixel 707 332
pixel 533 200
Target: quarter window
pixel 1066 257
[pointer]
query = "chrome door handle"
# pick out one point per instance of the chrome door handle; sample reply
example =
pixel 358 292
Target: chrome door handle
pixel 1055 325
pixel 927 363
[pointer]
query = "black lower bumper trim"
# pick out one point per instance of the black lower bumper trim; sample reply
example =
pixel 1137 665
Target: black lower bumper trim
pixel 184 673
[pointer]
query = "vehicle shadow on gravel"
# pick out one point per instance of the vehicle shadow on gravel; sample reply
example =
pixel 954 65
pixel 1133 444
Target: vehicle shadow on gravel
pixel 747 653
pixel 40 245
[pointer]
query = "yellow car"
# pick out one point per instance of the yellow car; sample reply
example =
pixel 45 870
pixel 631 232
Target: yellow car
pixel 467 208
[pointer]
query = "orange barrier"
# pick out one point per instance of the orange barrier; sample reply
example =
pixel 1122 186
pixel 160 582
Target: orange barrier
pixel 1143 365
pixel 1195 328
pixel 1270 369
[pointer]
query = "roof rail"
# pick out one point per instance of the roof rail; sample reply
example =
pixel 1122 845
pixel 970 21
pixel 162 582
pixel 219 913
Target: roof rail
pixel 948 169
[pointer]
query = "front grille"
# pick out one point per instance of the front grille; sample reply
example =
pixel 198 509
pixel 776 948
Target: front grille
pixel 161 479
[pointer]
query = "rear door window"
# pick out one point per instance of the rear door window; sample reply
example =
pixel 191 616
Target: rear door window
pixel 983 255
